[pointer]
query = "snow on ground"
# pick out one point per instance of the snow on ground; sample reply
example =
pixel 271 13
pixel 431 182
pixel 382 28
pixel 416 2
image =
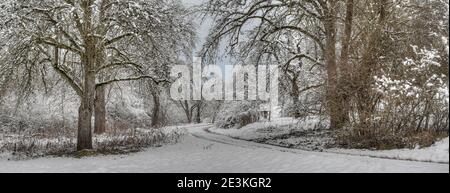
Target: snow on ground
pixel 277 127
pixel 288 132
pixel 254 130
pixel 436 153
pixel 25 146
pixel 309 133
pixel 206 152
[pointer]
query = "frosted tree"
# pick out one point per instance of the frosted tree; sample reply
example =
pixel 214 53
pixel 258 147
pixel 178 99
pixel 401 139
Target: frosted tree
pixel 316 22
pixel 95 43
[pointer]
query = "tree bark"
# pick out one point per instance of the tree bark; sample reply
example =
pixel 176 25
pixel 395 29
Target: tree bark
pixel 100 91
pixel 333 102
pixel 100 110
pixel 84 139
pixel 100 97
pixel 156 109
pixel 198 118
pixel 295 95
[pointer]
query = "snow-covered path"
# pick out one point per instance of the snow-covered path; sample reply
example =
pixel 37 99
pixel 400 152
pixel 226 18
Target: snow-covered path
pixel 206 152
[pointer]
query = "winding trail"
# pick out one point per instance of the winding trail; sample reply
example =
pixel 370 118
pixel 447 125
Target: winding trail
pixel 206 134
pixel 202 151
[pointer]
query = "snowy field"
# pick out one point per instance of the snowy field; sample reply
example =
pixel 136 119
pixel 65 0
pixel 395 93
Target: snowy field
pixel 201 151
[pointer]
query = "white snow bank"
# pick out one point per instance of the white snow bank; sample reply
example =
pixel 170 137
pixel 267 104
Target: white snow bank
pixel 261 131
pixel 439 152
pixel 258 130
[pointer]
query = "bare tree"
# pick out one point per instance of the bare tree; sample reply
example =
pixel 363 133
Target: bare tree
pixel 315 20
pixel 105 37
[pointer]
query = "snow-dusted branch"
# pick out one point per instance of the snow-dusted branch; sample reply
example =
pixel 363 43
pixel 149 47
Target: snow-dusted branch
pixel 155 80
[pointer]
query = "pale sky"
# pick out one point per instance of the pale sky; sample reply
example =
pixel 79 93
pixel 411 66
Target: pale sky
pixel 202 33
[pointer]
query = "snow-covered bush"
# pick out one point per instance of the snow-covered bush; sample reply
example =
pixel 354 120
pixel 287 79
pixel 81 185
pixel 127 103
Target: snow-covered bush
pixel 414 95
pixel 415 78
pixel 31 146
pixel 46 125
pixel 40 115
pixel 123 117
pixel 412 108
pixel 237 115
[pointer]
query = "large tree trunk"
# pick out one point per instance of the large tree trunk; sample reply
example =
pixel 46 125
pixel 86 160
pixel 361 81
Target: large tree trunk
pixel 84 139
pixel 198 117
pixel 333 99
pixel 100 98
pixel 295 95
pixel 156 109
pixel 100 92
pixel 100 110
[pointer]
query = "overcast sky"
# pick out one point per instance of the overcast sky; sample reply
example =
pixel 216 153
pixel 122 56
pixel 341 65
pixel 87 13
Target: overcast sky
pixel 202 33
pixel 203 27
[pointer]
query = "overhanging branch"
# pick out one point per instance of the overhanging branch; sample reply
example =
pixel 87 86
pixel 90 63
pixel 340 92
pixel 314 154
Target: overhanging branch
pixel 157 81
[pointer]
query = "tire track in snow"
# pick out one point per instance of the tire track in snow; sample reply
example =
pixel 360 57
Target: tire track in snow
pixel 204 132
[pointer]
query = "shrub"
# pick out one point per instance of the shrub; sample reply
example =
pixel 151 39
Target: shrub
pixel 410 108
pixel 382 139
pixel 237 115
pixel 30 146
